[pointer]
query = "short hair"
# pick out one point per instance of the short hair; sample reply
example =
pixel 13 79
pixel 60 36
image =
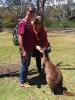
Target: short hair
pixel 32 6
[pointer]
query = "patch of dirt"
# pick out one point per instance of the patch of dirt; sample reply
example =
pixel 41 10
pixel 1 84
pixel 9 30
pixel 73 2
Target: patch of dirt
pixel 13 70
pixel 9 70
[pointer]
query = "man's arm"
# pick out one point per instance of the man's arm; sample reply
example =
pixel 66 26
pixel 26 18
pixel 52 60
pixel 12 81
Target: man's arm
pixel 21 45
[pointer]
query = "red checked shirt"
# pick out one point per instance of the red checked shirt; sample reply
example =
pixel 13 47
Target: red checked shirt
pixel 40 38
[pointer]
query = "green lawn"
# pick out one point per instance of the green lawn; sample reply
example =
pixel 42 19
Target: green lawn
pixel 62 54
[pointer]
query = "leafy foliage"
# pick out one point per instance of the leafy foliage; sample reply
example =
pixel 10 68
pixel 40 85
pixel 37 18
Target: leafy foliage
pixel 59 24
pixel 52 15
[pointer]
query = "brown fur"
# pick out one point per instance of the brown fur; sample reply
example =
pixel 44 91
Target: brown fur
pixel 54 76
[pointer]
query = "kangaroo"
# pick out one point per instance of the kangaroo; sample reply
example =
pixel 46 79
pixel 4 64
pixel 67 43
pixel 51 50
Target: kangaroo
pixel 54 76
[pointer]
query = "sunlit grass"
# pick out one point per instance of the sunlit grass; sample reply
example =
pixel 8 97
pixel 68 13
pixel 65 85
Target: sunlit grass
pixel 8 52
pixel 62 54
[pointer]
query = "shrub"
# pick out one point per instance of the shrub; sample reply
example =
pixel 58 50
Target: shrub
pixel 59 24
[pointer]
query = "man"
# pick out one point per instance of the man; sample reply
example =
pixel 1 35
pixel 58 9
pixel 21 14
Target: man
pixel 26 42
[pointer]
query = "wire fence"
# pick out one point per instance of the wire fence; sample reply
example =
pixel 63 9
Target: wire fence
pixel 67 30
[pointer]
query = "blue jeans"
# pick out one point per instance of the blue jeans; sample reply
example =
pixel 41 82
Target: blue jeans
pixel 24 66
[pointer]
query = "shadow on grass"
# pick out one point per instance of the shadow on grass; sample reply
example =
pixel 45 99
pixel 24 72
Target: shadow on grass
pixel 9 75
pixel 33 78
pixel 60 64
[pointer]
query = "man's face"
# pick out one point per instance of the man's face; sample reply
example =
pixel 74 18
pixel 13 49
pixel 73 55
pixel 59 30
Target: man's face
pixel 31 12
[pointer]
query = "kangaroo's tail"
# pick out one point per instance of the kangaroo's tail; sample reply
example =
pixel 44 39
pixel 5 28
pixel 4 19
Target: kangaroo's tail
pixel 68 93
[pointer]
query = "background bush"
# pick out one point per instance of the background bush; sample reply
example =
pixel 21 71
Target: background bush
pixel 65 23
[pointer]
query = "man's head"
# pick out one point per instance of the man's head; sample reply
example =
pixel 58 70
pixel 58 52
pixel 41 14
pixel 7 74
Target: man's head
pixel 30 11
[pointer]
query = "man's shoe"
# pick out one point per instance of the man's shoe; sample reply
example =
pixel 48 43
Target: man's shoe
pixel 25 85
pixel 22 85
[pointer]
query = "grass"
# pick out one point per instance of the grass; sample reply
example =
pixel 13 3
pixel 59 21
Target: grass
pixel 8 52
pixel 63 54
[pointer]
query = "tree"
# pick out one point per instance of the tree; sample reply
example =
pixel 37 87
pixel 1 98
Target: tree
pixel 40 7
pixel 18 6
pixel 47 9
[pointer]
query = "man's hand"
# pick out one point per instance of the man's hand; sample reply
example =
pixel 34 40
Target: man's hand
pixel 24 54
